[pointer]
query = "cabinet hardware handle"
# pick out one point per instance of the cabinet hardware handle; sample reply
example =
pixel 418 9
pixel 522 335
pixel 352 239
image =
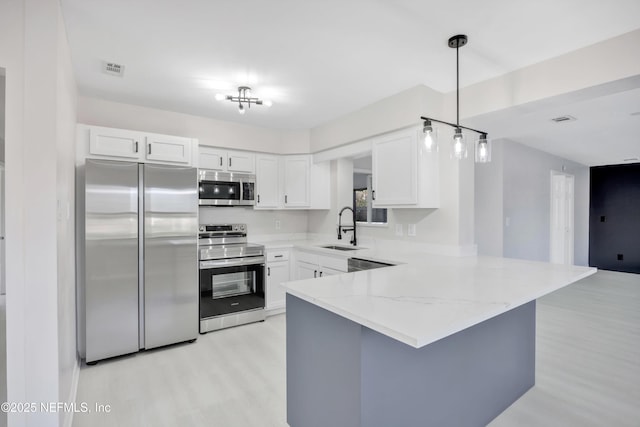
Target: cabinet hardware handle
pixel 149 148
pixel 278 256
pixel 258 198
pixel 268 271
pixel 315 273
pixel 321 274
pixel 229 161
pixel 220 160
pixel 285 198
pixel 136 147
pixel 373 194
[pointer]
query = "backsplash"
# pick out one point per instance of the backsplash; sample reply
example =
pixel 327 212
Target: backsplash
pixel 262 222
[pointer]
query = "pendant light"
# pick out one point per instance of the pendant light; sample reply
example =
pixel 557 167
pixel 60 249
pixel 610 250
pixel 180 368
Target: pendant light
pixel 458 143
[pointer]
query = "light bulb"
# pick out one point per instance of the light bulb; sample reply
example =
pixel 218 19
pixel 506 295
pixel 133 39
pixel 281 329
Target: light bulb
pixel 483 150
pixel 267 103
pixel 220 97
pixel 429 137
pixel 459 149
pixel 241 109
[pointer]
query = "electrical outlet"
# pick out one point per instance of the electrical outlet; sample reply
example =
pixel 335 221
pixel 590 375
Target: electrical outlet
pixel 507 221
pixel 278 224
pixel 399 231
pixel 411 230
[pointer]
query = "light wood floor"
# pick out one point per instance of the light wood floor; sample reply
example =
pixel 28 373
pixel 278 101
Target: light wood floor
pixel 588 370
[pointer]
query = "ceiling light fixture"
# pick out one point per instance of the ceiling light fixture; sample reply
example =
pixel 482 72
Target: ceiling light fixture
pixel 243 99
pixel 459 146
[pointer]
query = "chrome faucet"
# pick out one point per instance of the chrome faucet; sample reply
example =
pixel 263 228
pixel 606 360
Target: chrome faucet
pixel 344 229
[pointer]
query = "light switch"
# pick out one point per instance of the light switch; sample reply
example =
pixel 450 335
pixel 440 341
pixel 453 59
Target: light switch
pixel 278 224
pixel 411 230
pixel 399 231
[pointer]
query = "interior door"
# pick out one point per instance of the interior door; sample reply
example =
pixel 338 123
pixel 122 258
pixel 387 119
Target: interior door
pixel 170 255
pixel 561 218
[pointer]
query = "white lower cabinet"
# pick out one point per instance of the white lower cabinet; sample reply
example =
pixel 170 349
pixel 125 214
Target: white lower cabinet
pixel 311 265
pixel 278 271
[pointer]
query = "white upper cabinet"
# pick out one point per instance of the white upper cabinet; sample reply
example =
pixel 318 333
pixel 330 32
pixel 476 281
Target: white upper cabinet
pixel 291 182
pixel 115 143
pixel 320 196
pixel 171 149
pixel 297 181
pixel 267 182
pixel 212 158
pixel 120 144
pixel 241 161
pixel 226 160
pixel 404 174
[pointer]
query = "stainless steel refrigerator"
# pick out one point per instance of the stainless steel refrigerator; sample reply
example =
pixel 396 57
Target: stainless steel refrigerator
pixel 140 257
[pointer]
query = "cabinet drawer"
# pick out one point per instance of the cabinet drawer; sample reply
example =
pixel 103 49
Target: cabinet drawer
pixel 277 255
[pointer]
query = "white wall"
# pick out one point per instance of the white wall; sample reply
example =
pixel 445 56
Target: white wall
pixel 518 189
pixel 588 68
pixel 395 112
pixel 69 368
pixel 260 223
pixel 39 107
pixel 208 131
pixel 2 97
pixel 489 220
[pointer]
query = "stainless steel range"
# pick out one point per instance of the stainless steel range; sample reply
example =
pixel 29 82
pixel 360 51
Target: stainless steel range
pixel 231 277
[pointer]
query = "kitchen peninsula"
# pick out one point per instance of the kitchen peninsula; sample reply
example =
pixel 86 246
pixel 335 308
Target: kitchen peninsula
pixel 438 341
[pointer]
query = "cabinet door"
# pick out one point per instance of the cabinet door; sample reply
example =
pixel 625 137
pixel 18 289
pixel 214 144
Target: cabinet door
pixel 241 161
pixel 296 181
pixel 167 149
pixel 115 143
pixel 304 270
pixel 212 158
pixel 277 273
pixel 320 197
pixel 267 188
pixel 395 170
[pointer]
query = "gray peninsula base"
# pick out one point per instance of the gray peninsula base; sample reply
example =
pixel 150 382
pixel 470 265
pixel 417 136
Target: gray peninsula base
pixel 340 373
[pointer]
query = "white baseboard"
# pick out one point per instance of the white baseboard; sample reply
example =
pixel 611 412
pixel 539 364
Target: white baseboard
pixel 73 393
pixel 274 311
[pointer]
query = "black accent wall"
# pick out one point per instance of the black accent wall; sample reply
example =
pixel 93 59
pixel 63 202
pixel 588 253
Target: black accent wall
pixel 614 218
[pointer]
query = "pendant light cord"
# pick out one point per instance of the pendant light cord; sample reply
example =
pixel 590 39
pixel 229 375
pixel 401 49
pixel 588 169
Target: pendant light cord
pixel 457 87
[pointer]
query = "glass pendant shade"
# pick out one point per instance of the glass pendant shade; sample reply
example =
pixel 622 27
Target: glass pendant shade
pixel 483 150
pixel 429 137
pixel 458 146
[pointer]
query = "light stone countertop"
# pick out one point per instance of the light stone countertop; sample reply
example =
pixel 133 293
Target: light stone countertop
pixel 428 297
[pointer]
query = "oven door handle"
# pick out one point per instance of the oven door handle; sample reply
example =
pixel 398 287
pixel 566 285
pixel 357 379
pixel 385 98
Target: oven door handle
pixel 231 262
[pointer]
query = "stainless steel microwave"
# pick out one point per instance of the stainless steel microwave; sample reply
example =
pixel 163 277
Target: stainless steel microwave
pixel 226 188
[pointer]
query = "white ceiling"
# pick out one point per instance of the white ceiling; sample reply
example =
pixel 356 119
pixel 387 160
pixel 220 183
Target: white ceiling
pixel 319 60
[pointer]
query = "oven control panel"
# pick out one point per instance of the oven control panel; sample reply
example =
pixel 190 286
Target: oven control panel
pixel 237 228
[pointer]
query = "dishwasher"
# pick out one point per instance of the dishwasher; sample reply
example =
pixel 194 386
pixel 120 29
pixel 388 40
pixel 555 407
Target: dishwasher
pixel 359 264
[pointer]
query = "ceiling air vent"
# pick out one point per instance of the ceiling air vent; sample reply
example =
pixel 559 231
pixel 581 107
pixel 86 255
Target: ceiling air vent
pixel 563 119
pixel 113 69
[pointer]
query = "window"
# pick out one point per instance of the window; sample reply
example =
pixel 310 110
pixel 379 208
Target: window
pixel 362 206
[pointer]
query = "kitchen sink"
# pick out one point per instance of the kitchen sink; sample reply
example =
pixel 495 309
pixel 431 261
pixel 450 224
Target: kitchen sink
pixel 340 248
